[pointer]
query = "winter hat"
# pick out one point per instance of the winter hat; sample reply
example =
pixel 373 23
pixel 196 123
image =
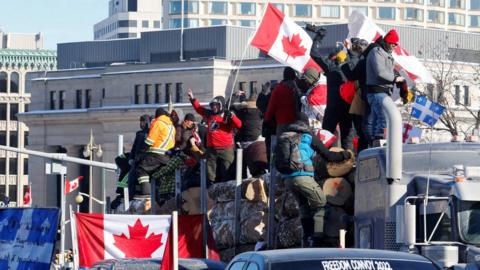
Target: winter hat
pixel 189 117
pixel 220 100
pixel 289 74
pixel 311 75
pixel 391 37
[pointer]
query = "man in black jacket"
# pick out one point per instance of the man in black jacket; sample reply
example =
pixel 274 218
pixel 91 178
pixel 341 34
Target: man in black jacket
pixel 336 112
pixel 136 152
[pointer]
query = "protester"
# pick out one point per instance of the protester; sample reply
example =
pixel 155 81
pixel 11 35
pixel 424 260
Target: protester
pixel 282 108
pixel 262 104
pixel 221 124
pixel 355 70
pixel 135 153
pixel 264 97
pixel 161 138
pixel 294 152
pixel 336 112
pixel 380 78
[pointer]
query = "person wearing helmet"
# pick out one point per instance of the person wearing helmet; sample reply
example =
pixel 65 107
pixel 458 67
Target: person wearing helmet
pixel 220 126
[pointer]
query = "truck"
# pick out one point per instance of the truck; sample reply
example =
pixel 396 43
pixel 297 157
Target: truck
pixel 419 198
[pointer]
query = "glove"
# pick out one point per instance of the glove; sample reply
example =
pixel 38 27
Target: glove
pixel 346 155
pixel 227 115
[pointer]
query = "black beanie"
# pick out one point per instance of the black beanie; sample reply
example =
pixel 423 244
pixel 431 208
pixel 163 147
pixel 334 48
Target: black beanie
pixel 289 74
pixel 189 117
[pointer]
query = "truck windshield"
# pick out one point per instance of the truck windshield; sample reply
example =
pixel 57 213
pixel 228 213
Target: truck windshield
pixel 351 264
pixel 442 161
pixel 469 221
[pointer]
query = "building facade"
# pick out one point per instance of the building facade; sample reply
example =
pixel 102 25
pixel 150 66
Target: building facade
pixel 128 18
pixel 19 54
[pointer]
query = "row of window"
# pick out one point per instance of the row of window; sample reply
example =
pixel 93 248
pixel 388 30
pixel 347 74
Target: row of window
pixel 14 82
pixel 383 13
pixel 13 138
pixel 126 23
pixel 462 98
pixel 13 111
pixel 83 99
pixel 13 163
pixel 158 93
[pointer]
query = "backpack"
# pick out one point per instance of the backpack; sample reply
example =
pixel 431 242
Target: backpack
pixel 287 153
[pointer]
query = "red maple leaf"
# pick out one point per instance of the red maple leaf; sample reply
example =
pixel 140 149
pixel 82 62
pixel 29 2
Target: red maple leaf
pixel 292 47
pixel 138 245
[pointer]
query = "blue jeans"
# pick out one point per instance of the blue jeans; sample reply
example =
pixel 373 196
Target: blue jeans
pixel 376 122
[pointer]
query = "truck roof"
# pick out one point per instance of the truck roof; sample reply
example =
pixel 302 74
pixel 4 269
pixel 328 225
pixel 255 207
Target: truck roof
pixel 442 146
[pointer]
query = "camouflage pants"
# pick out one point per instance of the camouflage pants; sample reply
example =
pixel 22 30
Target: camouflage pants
pixel 311 200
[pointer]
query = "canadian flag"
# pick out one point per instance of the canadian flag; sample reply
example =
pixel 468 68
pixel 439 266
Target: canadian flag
pixel 103 237
pixel 72 184
pixel 326 137
pixel 284 40
pixel 362 27
pixel 27 197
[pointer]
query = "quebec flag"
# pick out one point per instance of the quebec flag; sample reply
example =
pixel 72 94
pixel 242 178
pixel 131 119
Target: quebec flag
pixel 426 110
pixel 27 237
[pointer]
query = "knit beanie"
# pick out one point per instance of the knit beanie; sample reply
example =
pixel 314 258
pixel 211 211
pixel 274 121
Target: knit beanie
pixel 392 37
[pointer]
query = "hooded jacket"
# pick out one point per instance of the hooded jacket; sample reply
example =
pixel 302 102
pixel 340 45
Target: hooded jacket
pixel 380 73
pixel 309 145
pixel 251 119
pixel 282 107
pixel 220 133
pixel 140 136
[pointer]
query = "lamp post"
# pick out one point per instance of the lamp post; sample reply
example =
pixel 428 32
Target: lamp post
pixel 88 151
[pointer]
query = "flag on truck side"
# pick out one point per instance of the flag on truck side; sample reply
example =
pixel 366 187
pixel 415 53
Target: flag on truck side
pixel 27 237
pixel 284 40
pixel 103 237
pixel 426 111
pixel 362 27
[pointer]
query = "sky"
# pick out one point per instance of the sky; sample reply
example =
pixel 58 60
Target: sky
pixel 60 21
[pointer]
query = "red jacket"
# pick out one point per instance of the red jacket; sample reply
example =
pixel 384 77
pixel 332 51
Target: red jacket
pixel 219 134
pixel 281 107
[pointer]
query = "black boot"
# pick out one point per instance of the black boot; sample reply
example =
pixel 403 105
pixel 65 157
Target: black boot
pixel 307 226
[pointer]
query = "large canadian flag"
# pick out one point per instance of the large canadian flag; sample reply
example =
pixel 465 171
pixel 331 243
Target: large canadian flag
pixel 103 237
pixel 362 27
pixel 284 40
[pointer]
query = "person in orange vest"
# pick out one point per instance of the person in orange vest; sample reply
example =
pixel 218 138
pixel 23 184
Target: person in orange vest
pixel 160 139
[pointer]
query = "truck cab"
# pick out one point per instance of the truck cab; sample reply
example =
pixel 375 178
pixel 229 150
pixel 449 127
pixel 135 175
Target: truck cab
pixel 433 209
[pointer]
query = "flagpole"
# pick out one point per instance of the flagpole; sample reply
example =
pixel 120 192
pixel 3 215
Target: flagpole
pixel 74 239
pixel 175 239
pixel 61 258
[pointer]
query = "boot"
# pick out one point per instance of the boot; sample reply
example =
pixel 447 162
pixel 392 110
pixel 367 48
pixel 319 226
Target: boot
pixel 307 226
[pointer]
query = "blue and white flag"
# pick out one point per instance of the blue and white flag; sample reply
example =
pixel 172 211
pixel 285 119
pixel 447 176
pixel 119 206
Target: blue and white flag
pixel 426 111
pixel 27 237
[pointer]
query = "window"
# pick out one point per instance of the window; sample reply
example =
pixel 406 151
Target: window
pixel 466 96
pixel 363 10
pixel 136 98
pixel 103 93
pixel 456 19
pixel 148 93
pixel 386 13
pixel 457 94
pixel 280 7
pixel 25 138
pixel 13 138
pixel 253 88
pixel 176 23
pixel 158 91
pixel 436 16
pixel 413 14
pixel 242 86
pixel 88 98
pixel 126 35
pixel 302 10
pixel 456 4
pixel 156 24
pixel 474 20
pixel 247 23
pixel 188 7
pixel 13 165
pixel 13 111
pixel 61 100
pixel 3 82
pixel 78 99
pixel 3 165
pixel 14 82
pixel 214 22
pixel 436 3
pixel 330 11
pixel 3 137
pixel 178 92
pixel 3 111
pixel 475 4
pixel 53 99
pixel 132 5
pixel 420 2
pixel 145 24
pixel 246 9
pixel 127 23
pixel 168 92
pixel 25 166
pixel 216 7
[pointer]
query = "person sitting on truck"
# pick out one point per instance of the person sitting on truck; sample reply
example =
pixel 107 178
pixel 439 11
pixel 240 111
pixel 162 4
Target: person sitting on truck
pixel 221 124
pixel 294 160
pixel 136 155
pixel 160 139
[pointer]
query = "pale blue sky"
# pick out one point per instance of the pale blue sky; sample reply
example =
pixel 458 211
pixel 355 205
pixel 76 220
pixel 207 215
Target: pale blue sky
pixel 59 20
